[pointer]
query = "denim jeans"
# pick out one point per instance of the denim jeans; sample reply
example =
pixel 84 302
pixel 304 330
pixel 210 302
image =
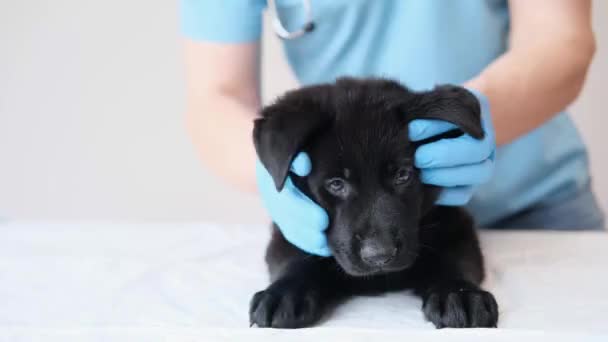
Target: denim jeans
pixel 580 211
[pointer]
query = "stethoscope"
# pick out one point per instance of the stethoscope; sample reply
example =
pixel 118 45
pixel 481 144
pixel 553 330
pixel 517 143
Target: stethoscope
pixel 282 32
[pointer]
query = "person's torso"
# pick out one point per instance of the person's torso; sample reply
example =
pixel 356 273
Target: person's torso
pixel 424 43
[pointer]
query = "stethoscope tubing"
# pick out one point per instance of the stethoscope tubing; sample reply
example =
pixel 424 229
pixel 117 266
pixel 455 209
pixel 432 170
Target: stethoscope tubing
pixel 280 29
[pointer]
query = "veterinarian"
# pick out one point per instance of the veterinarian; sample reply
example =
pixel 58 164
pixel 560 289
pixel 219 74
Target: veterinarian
pixel 526 61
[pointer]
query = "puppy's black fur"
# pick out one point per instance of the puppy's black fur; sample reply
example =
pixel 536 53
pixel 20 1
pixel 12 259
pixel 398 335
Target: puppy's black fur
pixel 385 232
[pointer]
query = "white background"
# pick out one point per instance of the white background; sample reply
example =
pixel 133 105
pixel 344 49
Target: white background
pixel 92 123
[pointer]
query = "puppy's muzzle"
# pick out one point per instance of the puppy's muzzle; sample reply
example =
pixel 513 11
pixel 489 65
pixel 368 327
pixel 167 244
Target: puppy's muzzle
pixel 376 254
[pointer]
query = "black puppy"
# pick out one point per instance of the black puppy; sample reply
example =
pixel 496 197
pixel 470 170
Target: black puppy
pixel 385 232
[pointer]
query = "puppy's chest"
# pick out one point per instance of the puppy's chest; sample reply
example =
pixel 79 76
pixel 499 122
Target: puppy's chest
pixel 378 284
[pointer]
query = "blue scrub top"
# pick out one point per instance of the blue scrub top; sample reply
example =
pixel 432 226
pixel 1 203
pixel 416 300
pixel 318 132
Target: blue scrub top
pixel 421 43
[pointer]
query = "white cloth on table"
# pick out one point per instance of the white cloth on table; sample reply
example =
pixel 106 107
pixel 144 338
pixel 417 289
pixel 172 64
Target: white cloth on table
pixel 95 281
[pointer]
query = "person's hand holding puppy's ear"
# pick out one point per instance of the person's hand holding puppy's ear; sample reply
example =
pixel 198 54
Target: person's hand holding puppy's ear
pixel 457 164
pixel 302 221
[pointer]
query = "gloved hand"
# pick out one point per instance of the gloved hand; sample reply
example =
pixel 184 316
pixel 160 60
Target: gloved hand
pixel 302 221
pixel 457 164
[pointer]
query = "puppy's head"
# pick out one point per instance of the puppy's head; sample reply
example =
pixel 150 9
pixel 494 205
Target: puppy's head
pixel 363 173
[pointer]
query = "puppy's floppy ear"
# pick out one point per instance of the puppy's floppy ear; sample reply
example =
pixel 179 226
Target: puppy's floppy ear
pixel 286 126
pixel 449 103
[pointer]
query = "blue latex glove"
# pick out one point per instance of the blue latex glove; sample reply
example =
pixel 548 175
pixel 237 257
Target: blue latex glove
pixel 302 221
pixel 457 164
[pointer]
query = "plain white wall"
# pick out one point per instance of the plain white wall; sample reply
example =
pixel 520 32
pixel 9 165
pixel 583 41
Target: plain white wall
pixel 91 115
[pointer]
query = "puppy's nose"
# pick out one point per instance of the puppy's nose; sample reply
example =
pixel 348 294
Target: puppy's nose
pixel 374 254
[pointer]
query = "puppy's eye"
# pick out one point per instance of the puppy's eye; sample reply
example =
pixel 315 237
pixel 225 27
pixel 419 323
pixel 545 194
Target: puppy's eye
pixel 403 175
pixel 336 186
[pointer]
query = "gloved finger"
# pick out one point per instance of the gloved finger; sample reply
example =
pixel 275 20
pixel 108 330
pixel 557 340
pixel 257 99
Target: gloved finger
pixel 309 241
pixel 453 152
pixel 313 243
pixel 300 234
pixel 421 129
pixel 322 251
pixel 455 196
pixel 301 165
pixel 290 204
pixel 265 182
pixel 301 221
pixel 472 174
pixel 300 208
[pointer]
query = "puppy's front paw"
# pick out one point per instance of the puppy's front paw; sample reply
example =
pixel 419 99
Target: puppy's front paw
pixel 461 308
pixel 285 306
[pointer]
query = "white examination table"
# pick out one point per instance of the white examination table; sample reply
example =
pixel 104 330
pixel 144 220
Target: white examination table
pixel 193 282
